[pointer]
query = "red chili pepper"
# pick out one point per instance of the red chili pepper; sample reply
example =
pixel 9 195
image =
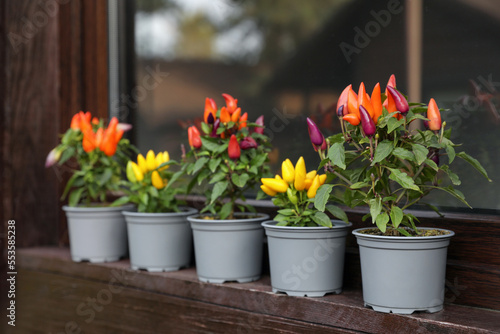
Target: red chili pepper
pixel 231 103
pixel 234 148
pixel 367 122
pixel 342 101
pixel 434 116
pixel 194 137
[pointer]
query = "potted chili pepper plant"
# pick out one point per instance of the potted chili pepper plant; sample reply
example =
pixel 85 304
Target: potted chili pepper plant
pixel 98 153
pixel 159 234
pixel 384 165
pixel 227 159
pixel 306 247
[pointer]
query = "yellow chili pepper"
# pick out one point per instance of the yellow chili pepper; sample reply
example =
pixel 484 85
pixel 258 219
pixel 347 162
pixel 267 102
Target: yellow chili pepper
pixel 156 180
pixel 287 171
pixel 311 193
pixel 311 175
pixel 166 157
pixel 130 172
pixel 279 186
pixel 139 176
pixel 151 160
pixel 159 159
pixel 277 177
pixel 300 174
pixel 322 179
pixel 268 190
pixel 141 161
pixel 307 183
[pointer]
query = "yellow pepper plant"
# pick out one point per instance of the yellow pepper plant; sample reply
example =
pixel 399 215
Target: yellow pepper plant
pixel 294 192
pixel 149 184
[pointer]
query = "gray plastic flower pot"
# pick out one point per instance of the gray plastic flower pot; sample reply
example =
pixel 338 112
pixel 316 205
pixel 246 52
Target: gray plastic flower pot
pixel 228 250
pixel 159 241
pixel 97 234
pixel 306 261
pixel 403 274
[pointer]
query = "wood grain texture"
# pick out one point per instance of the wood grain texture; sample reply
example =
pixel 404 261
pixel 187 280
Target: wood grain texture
pixel 76 281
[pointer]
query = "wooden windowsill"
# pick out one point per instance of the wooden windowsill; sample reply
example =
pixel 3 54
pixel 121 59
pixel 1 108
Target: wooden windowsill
pixel 52 292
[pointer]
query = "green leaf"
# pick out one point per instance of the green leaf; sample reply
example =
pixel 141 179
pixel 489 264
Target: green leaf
pixel 381 221
pixel 384 148
pixel 217 177
pixel 225 210
pixel 213 164
pixel 403 179
pixel 420 153
pixel 144 198
pixel 120 201
pixel 240 180
pixel 337 212
pixel 322 196
pixel 199 164
pixel 435 209
pixel 75 196
pixel 286 212
pixel 454 192
pixel 396 216
pixel 153 192
pixel 393 124
pixel 218 190
pixel 337 155
pixel 66 155
pixel 375 208
pixel 322 219
pixel 476 164
pixel 258 160
pixel 431 164
pixel 209 145
pixel 205 128
pixel 453 177
pixel 403 154
pixel 450 150
pixel 104 177
pixel 359 185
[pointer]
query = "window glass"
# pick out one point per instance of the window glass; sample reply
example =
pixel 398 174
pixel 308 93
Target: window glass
pixel 290 59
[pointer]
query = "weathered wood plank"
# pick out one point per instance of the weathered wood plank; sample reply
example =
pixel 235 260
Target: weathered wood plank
pixel 344 311
pixel 55 303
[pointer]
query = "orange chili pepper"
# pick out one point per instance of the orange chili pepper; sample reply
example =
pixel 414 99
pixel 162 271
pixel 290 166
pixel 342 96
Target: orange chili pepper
pixel 235 117
pixel 352 118
pixel 243 121
pixel 364 100
pixel 376 102
pixel 342 101
pixel 210 109
pixel 352 103
pixel 194 137
pixel 434 116
pixel 224 115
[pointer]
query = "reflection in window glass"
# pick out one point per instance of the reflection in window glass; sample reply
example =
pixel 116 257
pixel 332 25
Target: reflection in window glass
pixel 290 59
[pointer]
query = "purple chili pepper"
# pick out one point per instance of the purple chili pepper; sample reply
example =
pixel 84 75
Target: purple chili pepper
pixel 248 142
pixel 367 122
pixel 399 100
pixel 259 121
pixel 314 133
pixel 210 118
pixel 214 130
pixel 340 111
